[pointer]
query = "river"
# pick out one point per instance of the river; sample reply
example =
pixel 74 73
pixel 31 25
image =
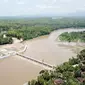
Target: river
pixel 16 70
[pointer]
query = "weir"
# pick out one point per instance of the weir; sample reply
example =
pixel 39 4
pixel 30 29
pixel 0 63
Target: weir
pixel 36 61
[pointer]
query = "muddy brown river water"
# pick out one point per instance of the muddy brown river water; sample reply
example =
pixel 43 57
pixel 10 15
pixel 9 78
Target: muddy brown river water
pixel 15 70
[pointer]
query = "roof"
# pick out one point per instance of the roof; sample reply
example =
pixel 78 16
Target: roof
pixel 58 81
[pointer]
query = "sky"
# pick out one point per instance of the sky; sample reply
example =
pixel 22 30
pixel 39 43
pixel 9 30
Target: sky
pixel 40 7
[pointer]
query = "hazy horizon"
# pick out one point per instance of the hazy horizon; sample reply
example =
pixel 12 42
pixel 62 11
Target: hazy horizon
pixel 41 7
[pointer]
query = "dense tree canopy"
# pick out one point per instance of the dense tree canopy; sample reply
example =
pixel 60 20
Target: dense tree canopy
pixel 73 36
pixel 31 28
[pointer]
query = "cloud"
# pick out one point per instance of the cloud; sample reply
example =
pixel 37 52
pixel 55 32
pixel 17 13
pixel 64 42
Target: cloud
pixel 20 2
pixel 5 1
pixel 43 6
pixel 65 1
pixel 47 7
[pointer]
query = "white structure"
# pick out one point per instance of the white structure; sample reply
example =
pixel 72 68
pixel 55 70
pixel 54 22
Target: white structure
pixel 26 83
pixel 4 36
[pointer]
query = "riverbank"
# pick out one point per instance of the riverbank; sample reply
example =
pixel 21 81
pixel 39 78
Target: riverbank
pixel 74 46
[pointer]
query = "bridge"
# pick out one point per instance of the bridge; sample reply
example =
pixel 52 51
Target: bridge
pixel 36 61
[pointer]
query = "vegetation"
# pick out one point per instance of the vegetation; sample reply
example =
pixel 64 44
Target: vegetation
pixel 73 36
pixel 27 28
pixel 29 33
pixel 69 73
pixel 5 40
